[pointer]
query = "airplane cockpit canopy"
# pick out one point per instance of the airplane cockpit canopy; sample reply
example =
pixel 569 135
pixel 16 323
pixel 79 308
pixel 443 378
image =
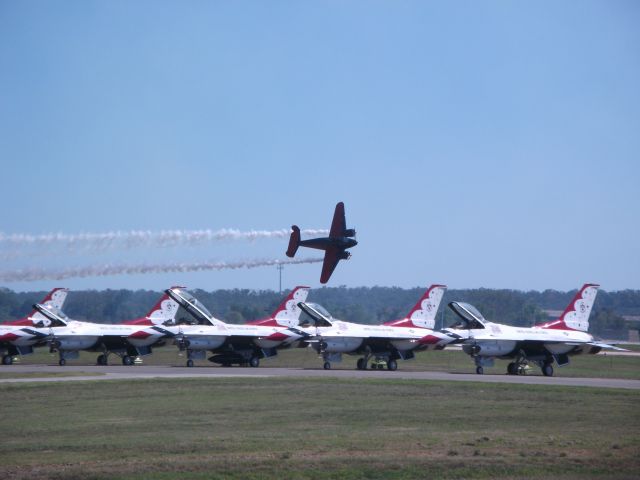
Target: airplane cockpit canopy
pixel 191 304
pixel 470 317
pixel 54 316
pixel 314 314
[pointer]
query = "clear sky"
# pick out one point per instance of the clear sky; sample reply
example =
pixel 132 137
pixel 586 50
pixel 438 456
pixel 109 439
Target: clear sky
pixel 479 144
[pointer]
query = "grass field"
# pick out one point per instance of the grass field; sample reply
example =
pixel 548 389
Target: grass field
pixel 448 360
pixel 7 373
pixel 316 428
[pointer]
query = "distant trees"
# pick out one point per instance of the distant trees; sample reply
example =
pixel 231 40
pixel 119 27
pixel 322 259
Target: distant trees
pixel 371 305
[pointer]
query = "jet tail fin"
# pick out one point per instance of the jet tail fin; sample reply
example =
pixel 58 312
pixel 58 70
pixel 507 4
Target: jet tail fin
pixel 423 314
pixel 163 311
pixel 55 298
pixel 576 315
pixel 288 313
pixel 294 241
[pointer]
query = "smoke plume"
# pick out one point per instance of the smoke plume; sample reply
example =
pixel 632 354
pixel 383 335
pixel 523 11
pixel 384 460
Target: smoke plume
pixel 141 238
pixel 35 274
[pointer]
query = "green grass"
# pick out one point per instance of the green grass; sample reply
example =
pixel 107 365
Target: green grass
pixel 634 347
pixel 62 373
pixel 316 428
pixel 448 360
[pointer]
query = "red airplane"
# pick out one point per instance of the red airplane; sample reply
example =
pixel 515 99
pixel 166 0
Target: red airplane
pixel 335 245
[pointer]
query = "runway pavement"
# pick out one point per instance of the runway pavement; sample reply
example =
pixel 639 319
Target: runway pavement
pixel 139 372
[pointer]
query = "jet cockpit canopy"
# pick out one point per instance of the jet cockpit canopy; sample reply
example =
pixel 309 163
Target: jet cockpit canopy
pixel 320 317
pixel 470 317
pixel 192 305
pixel 54 317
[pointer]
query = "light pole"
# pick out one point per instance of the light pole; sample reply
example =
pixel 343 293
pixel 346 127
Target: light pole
pixel 280 267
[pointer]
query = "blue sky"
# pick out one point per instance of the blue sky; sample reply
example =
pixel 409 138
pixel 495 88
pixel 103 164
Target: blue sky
pixel 478 144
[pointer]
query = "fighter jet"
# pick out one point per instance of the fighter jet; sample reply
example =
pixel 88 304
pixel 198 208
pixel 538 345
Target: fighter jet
pixel 382 344
pixel 544 344
pixel 16 338
pixel 127 340
pixel 233 344
pixel 335 245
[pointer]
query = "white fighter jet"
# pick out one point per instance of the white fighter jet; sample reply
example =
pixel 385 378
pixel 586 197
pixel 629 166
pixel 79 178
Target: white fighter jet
pixel 544 344
pixel 236 344
pixel 127 340
pixel 385 343
pixel 16 336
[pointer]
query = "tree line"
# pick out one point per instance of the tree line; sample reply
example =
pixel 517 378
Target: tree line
pixel 370 305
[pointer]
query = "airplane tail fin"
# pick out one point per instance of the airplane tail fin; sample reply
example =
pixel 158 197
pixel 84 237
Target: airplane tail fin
pixel 576 315
pixel 55 298
pixel 288 313
pixel 294 241
pixel 423 314
pixel 163 311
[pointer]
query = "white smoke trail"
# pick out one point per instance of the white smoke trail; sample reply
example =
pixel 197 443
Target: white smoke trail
pixel 35 274
pixel 15 243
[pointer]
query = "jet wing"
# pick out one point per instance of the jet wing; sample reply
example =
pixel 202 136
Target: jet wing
pixel 339 223
pixel 329 264
pixel 607 346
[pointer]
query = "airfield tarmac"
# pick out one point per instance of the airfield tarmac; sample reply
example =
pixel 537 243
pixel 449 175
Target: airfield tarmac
pixel 139 372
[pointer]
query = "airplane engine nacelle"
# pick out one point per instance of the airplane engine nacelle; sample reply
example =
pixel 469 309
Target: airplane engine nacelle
pixel 344 255
pixel 341 345
pixel 489 349
pixel 76 343
pixel 350 232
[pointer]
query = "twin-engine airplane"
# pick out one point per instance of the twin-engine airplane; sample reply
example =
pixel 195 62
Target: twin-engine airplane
pixel 335 245
pixel 16 336
pixel 542 344
pixel 386 343
pixel 127 340
pixel 236 344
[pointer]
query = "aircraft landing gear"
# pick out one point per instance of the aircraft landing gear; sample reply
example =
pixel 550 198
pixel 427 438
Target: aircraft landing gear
pixel 7 360
pixel 361 364
pixel 127 360
pixel 254 362
pixel 327 366
pixel 102 359
pixel 547 369
pixel 515 368
pixel 479 370
pixel 62 362
pixel 392 365
pixel 189 363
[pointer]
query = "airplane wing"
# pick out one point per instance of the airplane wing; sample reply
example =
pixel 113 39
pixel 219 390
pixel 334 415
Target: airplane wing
pixel 330 263
pixel 608 346
pixel 339 223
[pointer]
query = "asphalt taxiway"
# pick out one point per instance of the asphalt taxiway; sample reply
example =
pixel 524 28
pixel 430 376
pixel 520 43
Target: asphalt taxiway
pixel 140 372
